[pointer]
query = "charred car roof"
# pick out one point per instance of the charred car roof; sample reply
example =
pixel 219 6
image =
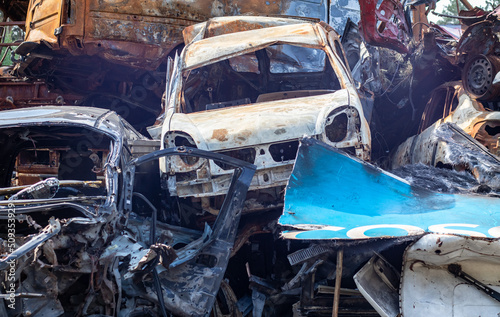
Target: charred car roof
pixel 227 25
pixel 104 120
pixel 201 52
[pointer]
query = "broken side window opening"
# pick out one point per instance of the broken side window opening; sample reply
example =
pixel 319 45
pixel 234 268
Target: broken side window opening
pixel 68 153
pixel 442 102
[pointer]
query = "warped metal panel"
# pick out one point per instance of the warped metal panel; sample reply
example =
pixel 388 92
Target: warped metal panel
pixel 331 195
pixel 42 21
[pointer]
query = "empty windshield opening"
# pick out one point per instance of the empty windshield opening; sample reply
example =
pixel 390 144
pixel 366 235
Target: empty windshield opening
pixel 274 73
pixel 74 157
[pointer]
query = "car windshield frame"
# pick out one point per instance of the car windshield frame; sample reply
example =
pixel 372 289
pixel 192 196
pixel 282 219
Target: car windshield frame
pixel 86 204
pixel 312 36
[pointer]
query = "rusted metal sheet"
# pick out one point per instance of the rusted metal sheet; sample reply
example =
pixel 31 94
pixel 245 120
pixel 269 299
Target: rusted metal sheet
pixel 136 33
pixel 228 25
pixel 201 53
pixel 42 20
pixel 487 133
pixel 17 93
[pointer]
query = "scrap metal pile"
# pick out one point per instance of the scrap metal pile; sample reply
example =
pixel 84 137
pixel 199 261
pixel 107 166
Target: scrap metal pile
pixel 198 158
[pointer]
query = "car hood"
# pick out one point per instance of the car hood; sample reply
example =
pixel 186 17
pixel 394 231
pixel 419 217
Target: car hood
pixel 265 122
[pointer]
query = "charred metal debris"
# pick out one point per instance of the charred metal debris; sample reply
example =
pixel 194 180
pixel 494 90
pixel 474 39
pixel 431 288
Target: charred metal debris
pixel 248 158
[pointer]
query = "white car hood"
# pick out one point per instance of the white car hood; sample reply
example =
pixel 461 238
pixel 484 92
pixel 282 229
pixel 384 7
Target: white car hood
pixel 265 122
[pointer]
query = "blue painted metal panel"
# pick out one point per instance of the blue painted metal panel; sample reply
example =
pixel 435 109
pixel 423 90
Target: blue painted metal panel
pixel 331 195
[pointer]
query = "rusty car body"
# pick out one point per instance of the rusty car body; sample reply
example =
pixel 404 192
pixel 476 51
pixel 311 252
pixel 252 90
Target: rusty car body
pixel 77 223
pixel 250 87
pixel 477 50
pixel 134 34
pixel 469 123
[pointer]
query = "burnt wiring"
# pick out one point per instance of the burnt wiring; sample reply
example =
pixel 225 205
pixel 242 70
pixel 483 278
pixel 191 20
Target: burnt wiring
pixel 152 238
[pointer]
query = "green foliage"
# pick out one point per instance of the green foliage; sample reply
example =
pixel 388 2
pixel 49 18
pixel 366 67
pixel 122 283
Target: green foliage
pixel 451 9
pixel 7 39
pixel 8 35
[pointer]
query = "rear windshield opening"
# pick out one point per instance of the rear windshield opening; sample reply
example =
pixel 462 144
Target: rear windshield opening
pixel 34 154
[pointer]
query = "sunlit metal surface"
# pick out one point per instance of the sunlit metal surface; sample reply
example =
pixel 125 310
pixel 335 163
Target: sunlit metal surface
pixel 331 195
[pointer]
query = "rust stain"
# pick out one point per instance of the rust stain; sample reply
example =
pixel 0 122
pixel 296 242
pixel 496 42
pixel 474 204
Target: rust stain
pixel 243 135
pixel 220 134
pixel 18 94
pixel 487 133
pixel 220 28
pixel 280 131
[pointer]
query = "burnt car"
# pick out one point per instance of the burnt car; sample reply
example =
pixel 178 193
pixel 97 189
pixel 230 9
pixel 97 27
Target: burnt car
pixel 113 53
pixel 76 225
pixel 250 87
pixel 456 132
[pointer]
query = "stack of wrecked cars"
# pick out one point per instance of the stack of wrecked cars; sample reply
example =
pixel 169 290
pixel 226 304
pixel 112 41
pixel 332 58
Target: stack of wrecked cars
pixel 264 188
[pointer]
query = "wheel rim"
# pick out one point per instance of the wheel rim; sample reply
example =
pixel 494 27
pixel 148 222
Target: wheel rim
pixel 480 76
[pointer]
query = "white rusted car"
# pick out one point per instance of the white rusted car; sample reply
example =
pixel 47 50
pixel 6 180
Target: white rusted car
pixel 250 87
